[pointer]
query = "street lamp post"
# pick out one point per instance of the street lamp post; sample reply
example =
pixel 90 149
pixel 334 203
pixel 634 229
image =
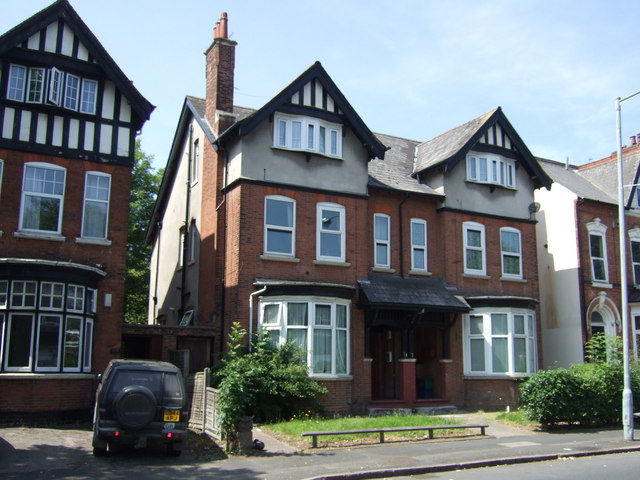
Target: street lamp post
pixel 627 396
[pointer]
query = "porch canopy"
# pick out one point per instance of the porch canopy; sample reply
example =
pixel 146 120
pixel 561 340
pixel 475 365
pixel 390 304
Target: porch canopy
pixel 393 292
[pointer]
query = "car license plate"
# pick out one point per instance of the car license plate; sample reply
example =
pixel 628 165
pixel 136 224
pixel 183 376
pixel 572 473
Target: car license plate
pixel 172 415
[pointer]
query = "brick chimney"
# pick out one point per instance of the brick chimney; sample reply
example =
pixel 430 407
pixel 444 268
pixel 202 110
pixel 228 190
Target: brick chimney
pixel 220 64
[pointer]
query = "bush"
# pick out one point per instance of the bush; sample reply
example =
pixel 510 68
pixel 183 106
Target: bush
pixel 267 383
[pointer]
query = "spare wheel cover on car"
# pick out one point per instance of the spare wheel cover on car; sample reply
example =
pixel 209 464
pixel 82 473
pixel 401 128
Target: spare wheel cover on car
pixel 134 406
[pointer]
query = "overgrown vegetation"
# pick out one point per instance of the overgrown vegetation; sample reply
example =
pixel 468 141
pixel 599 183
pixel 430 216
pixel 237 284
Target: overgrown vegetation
pixel 266 382
pixel 586 394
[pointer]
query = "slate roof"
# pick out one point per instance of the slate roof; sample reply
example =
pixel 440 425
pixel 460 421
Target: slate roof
pixel 395 171
pixel 433 294
pixel 604 173
pixel 443 147
pixel 570 178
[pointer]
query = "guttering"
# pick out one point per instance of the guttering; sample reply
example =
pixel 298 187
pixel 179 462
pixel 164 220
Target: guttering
pixel 257 292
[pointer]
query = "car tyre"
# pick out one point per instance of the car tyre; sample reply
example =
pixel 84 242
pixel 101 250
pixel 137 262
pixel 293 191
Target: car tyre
pixel 99 452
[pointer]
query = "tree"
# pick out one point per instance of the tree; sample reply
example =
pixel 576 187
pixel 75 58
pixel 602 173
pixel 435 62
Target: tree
pixel 145 183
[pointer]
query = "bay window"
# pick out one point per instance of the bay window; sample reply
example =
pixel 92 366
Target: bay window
pixel 483 168
pixel 500 342
pixel 307 134
pixel 318 326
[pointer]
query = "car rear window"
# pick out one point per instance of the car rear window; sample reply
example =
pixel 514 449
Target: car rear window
pixel 173 390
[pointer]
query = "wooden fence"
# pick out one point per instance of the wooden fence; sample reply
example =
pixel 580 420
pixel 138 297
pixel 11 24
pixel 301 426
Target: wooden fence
pixel 205 414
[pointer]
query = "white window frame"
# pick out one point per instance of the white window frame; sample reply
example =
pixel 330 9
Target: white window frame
pixel 24 294
pixel 11 319
pixel 181 253
pixel 474 226
pixel 45 185
pixel 419 249
pixel 56 79
pixel 88 96
pixel 1 174
pixel 634 238
pixel 195 162
pixel 382 240
pixel 35 86
pixel 56 367
pixel 17 80
pixel 488 340
pixel 52 296
pixel 323 232
pixel 87 345
pixel 78 365
pixel 491 169
pixel 192 241
pixel 598 230
pixel 72 92
pixel 75 298
pixel 278 326
pixel 4 294
pixel 504 254
pixel 307 134
pixel 94 196
pixel 269 228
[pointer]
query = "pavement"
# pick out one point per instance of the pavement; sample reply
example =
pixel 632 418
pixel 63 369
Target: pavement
pixel 37 453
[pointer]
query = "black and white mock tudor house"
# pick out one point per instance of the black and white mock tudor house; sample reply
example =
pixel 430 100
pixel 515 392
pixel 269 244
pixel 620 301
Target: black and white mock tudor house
pixel 68 122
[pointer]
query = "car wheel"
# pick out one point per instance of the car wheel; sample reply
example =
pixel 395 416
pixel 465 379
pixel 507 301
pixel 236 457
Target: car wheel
pixel 99 451
pixel 134 406
pixel 174 449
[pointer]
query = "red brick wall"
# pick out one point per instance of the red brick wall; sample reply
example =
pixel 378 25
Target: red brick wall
pixel 42 394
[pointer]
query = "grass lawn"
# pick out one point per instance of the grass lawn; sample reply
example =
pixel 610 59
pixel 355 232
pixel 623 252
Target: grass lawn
pixel 291 430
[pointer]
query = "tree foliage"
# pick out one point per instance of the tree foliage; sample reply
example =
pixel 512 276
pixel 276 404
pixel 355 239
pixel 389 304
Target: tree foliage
pixel 267 383
pixel 145 183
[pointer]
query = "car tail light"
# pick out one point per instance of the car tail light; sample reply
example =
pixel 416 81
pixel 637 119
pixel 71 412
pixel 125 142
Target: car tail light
pixel 174 436
pixel 114 433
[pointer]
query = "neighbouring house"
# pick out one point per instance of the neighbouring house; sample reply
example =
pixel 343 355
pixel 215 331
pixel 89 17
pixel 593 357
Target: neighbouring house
pixel 405 270
pixel 579 254
pixel 68 122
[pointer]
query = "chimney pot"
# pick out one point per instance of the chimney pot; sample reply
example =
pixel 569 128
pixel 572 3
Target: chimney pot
pixel 633 140
pixel 220 30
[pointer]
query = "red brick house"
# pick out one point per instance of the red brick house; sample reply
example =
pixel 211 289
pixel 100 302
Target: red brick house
pixel 579 254
pixel 68 121
pixel 405 270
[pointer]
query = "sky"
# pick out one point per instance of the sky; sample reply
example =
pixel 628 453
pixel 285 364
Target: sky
pixel 410 68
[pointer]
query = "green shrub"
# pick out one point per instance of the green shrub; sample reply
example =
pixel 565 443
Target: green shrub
pixel 266 383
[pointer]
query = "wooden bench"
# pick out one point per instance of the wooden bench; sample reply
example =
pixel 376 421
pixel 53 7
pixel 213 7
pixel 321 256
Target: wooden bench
pixel 430 428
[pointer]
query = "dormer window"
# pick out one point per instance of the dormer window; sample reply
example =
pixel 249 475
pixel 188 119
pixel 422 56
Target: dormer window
pixel 307 134
pixel 491 169
pixel 52 86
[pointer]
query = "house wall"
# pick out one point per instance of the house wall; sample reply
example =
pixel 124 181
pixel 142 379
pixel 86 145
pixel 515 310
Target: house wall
pixel 560 277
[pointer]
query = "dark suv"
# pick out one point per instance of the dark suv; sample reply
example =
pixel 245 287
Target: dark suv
pixel 139 401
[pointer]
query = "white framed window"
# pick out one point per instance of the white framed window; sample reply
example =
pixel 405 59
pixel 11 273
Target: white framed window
pixel 500 342
pixel 71 92
pixel 330 240
pixel 75 298
pixel 319 326
pixel 307 134
pixel 381 240
pixel 48 343
pixel 634 240
pixel 23 294
pixel 87 350
pixel 16 83
pixel 193 237
pixel 72 348
pixel 511 252
pixel 95 213
pixel 195 161
pixel 35 92
pixel 92 294
pixel 20 329
pixel 1 174
pixel 51 296
pixel 598 251
pixel 56 78
pixel 279 225
pixel 42 198
pixel 4 294
pixel 474 248
pixel 88 96
pixel 419 245
pixel 491 169
pixel 182 238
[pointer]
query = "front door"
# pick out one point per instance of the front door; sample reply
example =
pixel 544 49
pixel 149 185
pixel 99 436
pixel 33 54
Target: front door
pixel 385 351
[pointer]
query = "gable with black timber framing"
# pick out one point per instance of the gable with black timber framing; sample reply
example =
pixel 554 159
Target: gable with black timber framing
pixel 85 107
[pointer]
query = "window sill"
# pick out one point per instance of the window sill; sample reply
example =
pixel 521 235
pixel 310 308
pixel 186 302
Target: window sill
pixel 332 378
pixel 331 264
pixel 53 237
pixel 513 279
pixel 601 284
pixel 308 152
pixel 383 270
pixel 93 241
pixel 496 376
pixel 476 275
pixel 422 273
pixel 275 258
